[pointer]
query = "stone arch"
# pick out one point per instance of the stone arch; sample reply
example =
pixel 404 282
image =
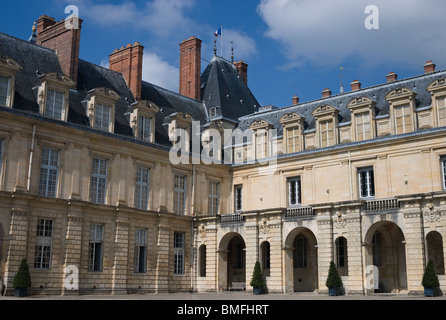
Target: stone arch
pixel 434 246
pixel 232 262
pixel 385 249
pixel 301 261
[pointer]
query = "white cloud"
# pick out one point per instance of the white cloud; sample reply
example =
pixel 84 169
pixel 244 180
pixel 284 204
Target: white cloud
pixel 244 46
pixel 159 72
pixel 327 32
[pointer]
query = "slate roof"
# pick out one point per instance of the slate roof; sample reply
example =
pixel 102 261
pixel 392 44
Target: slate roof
pixel 223 88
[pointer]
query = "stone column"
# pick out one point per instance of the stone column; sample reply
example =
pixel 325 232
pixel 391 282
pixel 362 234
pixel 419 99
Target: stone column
pixel 162 259
pixel 120 258
pixel 415 250
pixel 324 247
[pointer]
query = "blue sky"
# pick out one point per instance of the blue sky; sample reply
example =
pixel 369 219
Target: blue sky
pixel 292 47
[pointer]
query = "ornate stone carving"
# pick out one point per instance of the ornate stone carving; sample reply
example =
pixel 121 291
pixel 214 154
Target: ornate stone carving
pixel 202 231
pixel 263 227
pixel 339 221
pixel 432 215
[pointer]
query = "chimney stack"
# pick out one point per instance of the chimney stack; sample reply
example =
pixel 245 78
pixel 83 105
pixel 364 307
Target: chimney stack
pixel 356 85
pixel 295 100
pixel 129 61
pixel 429 67
pixel 242 69
pixel 391 77
pixel 190 68
pixel 326 93
pixel 65 41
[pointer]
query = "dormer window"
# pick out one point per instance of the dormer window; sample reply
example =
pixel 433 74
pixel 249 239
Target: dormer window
pixel 402 106
pixel 363 118
pixel 213 112
pixel 326 125
pixel 142 120
pixel 261 138
pixel 292 132
pixel 179 130
pixel 53 95
pixel 101 109
pixel 441 110
pixel 8 69
pixel 438 93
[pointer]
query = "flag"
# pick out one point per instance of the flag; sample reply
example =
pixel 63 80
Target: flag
pixel 218 32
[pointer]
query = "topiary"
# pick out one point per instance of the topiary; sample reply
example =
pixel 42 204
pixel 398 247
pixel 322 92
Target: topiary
pixel 22 279
pixel 430 279
pixel 333 279
pixel 257 277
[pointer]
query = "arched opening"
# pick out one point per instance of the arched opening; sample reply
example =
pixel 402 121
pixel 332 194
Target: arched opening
pixel 202 261
pixel 434 242
pixel 301 267
pixel 265 258
pixel 386 250
pixel 232 262
pixel 341 256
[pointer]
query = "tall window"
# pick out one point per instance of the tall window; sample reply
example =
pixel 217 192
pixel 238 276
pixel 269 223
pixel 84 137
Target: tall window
pixel 179 201
pixel 363 127
pixel 98 184
pixel 178 245
pixel 377 249
pixel 4 91
pixel 261 144
pixel 238 191
pixel 443 170
pixel 326 133
pixel 1 154
pixel 214 198
pixel 144 128
pixel 102 117
pixel 293 142
pixel 403 120
pixel 44 244
pixel 54 104
pixel 202 260
pixel 300 260
pixel 49 168
pixel 441 110
pixel 140 250
pixel 95 247
pixel 266 257
pixel 366 182
pixel 142 188
pixel 341 251
pixel 294 192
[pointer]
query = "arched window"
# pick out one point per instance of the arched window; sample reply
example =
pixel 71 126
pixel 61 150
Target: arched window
pixel 202 257
pixel 434 242
pixel 341 256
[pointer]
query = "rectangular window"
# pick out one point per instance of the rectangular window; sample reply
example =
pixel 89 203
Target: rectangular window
pixel 327 134
pixel 144 128
pixel 1 154
pixel 441 110
pixel 179 201
pixel 443 170
pixel 98 184
pixel 366 183
pixel 261 144
pixel 54 104
pixel 238 191
pixel 44 244
pixel 95 247
pixel 49 168
pixel 294 192
pixel 403 120
pixel 142 188
pixel 363 127
pixel 102 117
pixel 140 250
pixel 178 246
pixel 293 140
pixel 214 198
pixel 4 91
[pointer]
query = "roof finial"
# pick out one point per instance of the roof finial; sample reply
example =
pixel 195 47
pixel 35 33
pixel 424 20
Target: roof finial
pixel 33 37
pixel 342 85
pixel 232 51
pixel 34 28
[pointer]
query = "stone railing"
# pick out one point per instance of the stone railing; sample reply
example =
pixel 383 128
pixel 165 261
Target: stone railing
pixel 382 204
pixel 232 219
pixel 301 212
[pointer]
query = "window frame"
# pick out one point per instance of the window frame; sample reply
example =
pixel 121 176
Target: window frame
pixel 213 198
pixel 179 245
pixel 297 191
pixel 2 148
pixel 370 183
pixel 95 258
pixel 238 198
pixel 361 126
pixel 48 168
pixel 443 109
pixel 94 193
pixel 180 194
pixel 443 171
pixel 141 250
pixel 142 188
pixel 44 239
pixel 53 106
pixel 8 92
pixel 405 116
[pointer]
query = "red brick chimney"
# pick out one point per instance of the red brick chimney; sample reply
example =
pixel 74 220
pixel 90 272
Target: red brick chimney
pixel 429 67
pixel 356 85
pixel 190 68
pixel 65 41
pixel 295 100
pixel 242 69
pixel 129 61
pixel 326 93
pixel 391 77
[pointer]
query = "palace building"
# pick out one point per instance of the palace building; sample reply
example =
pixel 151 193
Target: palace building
pixel 88 190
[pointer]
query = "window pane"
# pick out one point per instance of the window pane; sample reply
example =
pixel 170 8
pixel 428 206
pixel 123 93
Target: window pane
pixel 142 188
pixel 366 182
pixel 48 173
pixel 102 117
pixel 238 198
pixel 98 184
pixel 4 91
pixel 213 198
pixel 95 248
pixel 54 104
pixel 144 128
pixel 180 195
pixel 43 248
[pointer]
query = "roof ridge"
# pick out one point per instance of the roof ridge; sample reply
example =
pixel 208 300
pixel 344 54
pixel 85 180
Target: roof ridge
pixel 27 42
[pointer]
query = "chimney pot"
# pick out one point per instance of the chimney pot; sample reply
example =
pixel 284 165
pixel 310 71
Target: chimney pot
pixel 391 77
pixel 429 67
pixel 326 93
pixel 242 69
pixel 356 85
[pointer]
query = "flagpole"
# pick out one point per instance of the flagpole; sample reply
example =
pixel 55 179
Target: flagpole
pixel 221 41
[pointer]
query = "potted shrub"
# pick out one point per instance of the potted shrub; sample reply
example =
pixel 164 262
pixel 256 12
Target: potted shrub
pixel 334 281
pixel 22 280
pixel 430 280
pixel 257 281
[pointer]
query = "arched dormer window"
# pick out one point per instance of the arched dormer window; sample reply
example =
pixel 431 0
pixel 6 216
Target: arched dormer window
pixel 402 110
pixel 363 118
pixel 142 120
pixel 293 125
pixel 8 69
pixel 260 138
pixel 53 95
pixel 326 125
pixel 101 109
